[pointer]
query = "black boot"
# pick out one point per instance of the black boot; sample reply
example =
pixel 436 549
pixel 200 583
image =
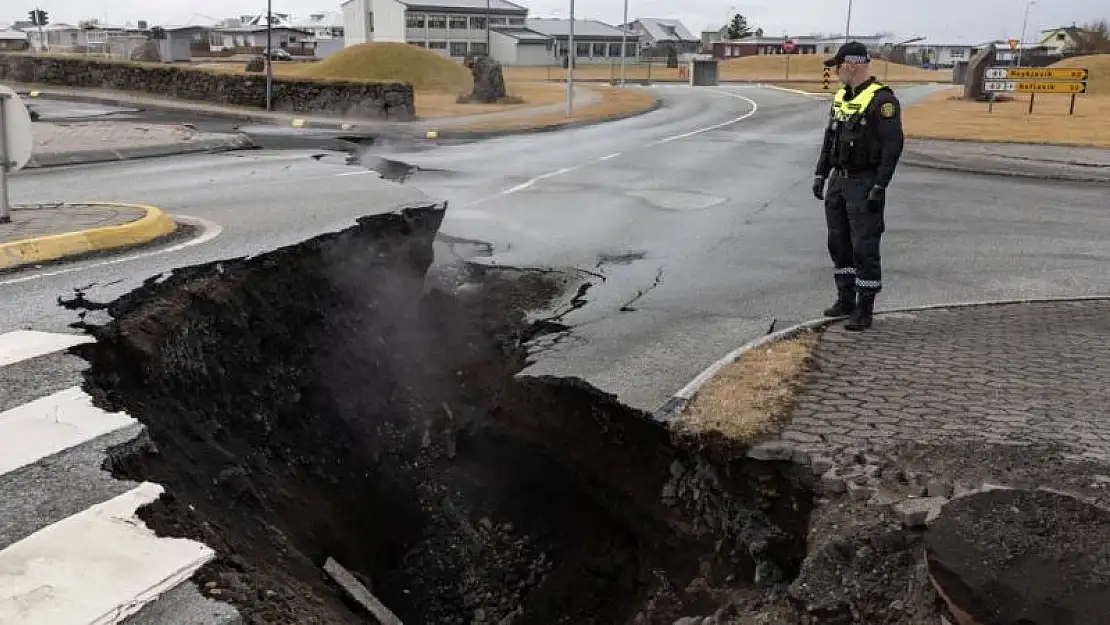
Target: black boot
pixel 845 303
pixel 861 316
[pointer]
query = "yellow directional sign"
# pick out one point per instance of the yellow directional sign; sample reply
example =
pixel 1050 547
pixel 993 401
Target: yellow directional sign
pixel 1046 73
pixel 1014 43
pixel 1051 87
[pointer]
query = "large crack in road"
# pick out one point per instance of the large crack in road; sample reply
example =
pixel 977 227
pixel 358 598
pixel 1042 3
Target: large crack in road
pixel 335 399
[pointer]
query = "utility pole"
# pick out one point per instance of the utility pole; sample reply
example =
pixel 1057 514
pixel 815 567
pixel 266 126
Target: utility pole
pixel 269 55
pixel 5 207
pixel 571 55
pixel 39 15
pixel 624 40
pixel 488 52
pixel 848 24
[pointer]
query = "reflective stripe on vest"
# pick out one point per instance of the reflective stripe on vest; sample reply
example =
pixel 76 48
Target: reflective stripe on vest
pixel 842 110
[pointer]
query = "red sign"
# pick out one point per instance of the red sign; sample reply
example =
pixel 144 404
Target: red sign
pixel 788 46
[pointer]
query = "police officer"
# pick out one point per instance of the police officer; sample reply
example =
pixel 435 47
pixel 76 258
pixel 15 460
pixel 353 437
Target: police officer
pixel 863 142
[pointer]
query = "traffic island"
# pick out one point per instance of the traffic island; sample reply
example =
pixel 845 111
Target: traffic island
pixel 42 233
pixel 375 425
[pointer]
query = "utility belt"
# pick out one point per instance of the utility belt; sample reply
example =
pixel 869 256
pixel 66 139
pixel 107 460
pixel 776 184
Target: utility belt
pixel 854 173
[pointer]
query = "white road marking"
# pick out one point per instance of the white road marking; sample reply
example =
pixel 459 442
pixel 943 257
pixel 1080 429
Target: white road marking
pixel 51 424
pixel 96 567
pixel 26 344
pixel 211 231
pixel 356 173
pixel 532 182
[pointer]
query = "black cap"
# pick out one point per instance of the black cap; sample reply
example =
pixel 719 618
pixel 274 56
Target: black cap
pixel 851 52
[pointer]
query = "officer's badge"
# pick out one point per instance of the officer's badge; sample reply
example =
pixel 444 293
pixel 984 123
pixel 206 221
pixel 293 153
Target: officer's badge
pixel 887 110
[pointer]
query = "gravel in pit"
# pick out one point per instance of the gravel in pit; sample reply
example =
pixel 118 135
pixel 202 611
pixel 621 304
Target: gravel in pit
pixel 335 399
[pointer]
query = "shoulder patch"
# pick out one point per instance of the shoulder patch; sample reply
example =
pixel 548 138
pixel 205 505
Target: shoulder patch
pixel 887 110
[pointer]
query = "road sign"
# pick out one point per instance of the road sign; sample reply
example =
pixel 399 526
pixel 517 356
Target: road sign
pixel 789 46
pixel 1014 43
pixel 1032 86
pixel 1004 55
pixel 15 143
pixel 1036 73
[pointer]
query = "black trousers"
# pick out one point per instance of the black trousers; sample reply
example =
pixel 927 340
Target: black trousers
pixel 855 228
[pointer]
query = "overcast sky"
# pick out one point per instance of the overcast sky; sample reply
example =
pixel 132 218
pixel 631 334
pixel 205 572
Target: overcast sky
pixel 979 20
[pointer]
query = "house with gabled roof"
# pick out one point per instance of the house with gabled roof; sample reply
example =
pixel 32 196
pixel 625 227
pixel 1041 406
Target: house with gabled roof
pixel 657 34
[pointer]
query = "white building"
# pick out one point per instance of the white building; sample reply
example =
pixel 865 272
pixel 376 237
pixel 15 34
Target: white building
pixel 522 46
pixel 656 34
pixel 326 29
pixel 594 41
pixel 455 28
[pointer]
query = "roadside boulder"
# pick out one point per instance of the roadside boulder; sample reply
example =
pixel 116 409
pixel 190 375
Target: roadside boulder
pixel 489 81
pixel 1028 557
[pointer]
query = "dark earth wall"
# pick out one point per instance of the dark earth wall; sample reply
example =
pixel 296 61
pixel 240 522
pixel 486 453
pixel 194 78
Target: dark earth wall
pixel 346 99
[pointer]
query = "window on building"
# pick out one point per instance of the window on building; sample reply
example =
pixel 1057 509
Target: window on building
pixel 437 45
pixel 458 48
pixel 582 50
pixel 478 48
pixel 631 51
pixel 599 50
pixel 561 48
pixel 458 22
pixel 478 23
pixel 415 20
pixel 437 21
pixel 498 21
pixel 516 21
pixel 615 49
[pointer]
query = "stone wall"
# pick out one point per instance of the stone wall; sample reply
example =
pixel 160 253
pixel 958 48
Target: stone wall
pixel 334 98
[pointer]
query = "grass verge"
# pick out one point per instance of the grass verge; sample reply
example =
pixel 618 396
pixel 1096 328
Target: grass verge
pixel 616 102
pixel 946 115
pixel 748 399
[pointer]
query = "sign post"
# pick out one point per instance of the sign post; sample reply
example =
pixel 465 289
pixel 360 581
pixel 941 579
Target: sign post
pixel 788 47
pixel 1033 80
pixel 825 78
pixel 15 143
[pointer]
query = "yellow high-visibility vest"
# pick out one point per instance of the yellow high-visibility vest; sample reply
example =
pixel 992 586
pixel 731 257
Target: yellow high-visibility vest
pixel 843 110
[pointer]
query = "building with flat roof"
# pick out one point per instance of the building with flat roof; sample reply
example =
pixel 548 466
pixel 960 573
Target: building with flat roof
pixel 454 28
pixel 594 41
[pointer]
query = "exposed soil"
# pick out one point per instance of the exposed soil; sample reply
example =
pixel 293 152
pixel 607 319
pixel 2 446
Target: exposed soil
pixel 326 399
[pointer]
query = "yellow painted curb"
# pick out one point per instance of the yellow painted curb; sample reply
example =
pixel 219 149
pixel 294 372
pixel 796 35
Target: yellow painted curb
pixel 152 225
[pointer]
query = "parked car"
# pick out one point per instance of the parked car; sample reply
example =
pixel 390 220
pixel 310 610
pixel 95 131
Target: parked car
pixel 277 54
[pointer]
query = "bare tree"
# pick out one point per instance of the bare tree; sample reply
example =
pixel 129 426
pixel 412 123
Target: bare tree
pixel 1094 38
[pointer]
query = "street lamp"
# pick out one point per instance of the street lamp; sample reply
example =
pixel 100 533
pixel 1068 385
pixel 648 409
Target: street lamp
pixel 570 63
pixel 269 55
pixel 624 39
pixel 1024 25
pixel 848 24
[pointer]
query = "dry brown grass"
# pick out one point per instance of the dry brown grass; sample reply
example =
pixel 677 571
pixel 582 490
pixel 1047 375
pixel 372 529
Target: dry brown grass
pixel 439 104
pixel 1099 66
pixel 761 68
pixel 749 398
pixel 946 115
pixel 387 62
pixel 616 102
pixel 802 66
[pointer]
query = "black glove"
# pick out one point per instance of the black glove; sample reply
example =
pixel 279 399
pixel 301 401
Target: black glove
pixel 819 187
pixel 876 197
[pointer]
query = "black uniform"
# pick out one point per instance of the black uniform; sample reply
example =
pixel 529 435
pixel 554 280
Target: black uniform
pixel 858 157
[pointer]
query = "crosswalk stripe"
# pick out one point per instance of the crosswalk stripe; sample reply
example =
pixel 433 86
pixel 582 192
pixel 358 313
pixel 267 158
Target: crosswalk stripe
pixel 96 567
pixel 25 344
pixel 51 424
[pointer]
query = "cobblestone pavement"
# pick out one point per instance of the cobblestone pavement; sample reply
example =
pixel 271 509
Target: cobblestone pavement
pixel 30 222
pixel 1034 374
pixel 53 138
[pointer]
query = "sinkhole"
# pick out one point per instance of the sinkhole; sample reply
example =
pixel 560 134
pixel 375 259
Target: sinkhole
pixel 344 398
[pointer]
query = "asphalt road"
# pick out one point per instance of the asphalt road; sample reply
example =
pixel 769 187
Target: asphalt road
pixel 710 195
pixel 698 218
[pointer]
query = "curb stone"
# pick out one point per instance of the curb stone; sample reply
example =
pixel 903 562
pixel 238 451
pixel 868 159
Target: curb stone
pixel 153 225
pixel 84 157
pixel 1069 175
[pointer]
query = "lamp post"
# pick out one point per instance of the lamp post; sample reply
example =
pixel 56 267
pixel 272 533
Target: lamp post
pixel 1024 25
pixel 624 39
pixel 848 23
pixel 571 54
pixel 269 55
pixel 488 10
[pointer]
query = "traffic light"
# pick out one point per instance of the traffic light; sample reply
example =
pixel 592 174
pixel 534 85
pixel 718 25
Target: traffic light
pixel 38 17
